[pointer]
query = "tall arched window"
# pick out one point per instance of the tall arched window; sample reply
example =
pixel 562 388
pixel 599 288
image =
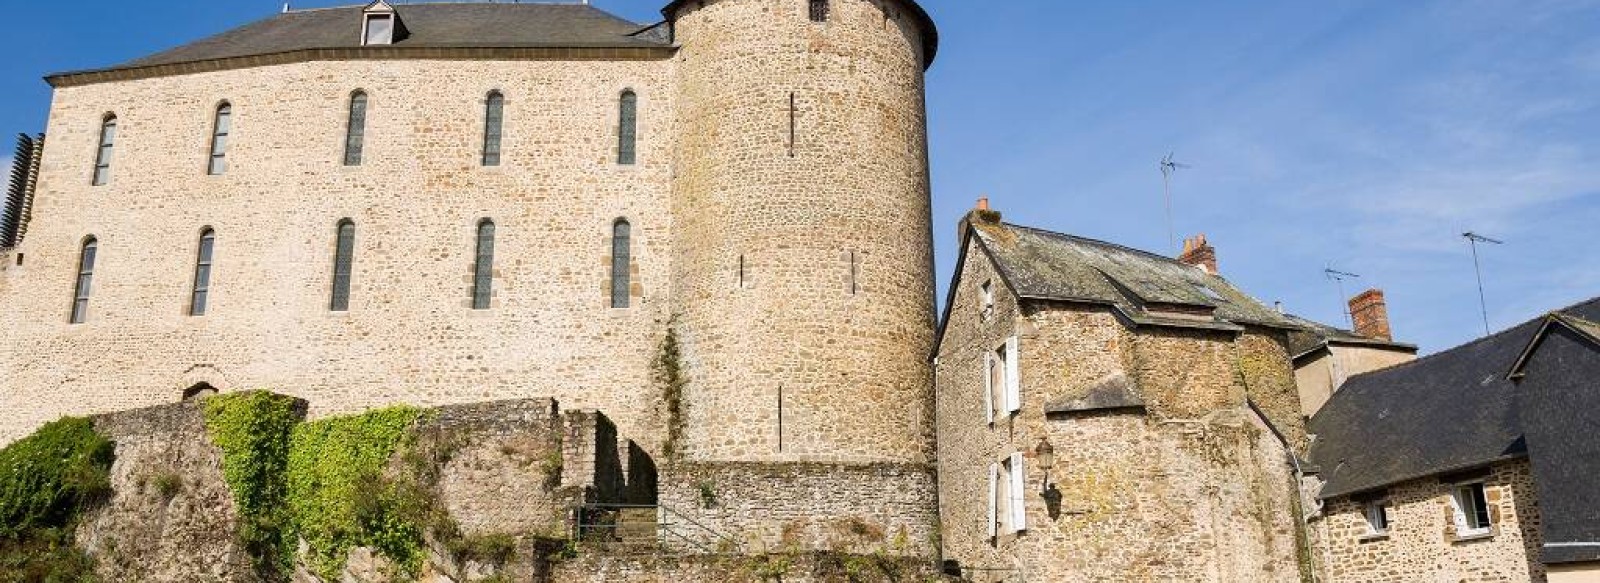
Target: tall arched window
pixel 621 258
pixel 80 293
pixel 219 139
pixel 493 119
pixel 628 128
pixel 355 132
pixel 202 273
pixel 343 255
pixel 483 268
pixel 102 159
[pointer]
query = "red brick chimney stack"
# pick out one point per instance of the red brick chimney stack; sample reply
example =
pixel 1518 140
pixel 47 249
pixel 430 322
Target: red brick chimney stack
pixel 1199 253
pixel 1370 313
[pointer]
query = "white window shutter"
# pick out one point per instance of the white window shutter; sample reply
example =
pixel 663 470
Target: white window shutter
pixel 988 385
pixel 1458 504
pixel 1013 376
pixel 994 499
pixel 1019 479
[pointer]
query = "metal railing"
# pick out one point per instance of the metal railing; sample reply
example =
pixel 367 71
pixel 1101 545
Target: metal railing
pixel 667 530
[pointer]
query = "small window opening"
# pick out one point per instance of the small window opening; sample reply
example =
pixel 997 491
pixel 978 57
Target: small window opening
pixel 355 135
pixel 628 129
pixel 379 30
pixel 493 119
pixel 1472 510
pixel 343 257
pixel 483 267
pixel 819 10
pixel 855 271
pixel 793 123
pixel 986 291
pixel 199 391
pixel 108 141
pixel 202 273
pixel 1377 518
pixel 741 272
pixel 621 260
pixel 221 127
pixel 80 293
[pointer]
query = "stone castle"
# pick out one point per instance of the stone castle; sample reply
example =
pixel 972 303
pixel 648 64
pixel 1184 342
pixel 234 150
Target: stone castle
pixel 712 236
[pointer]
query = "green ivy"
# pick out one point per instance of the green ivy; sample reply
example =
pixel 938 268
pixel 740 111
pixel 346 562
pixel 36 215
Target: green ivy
pixel 338 497
pixel 252 429
pixel 46 481
pixel 668 372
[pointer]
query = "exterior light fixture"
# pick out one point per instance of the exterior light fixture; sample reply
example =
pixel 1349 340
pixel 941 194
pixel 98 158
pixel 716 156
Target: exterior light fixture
pixel 1046 454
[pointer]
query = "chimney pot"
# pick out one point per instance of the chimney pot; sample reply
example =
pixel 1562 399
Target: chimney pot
pixel 1199 253
pixel 1370 313
pixel 983 203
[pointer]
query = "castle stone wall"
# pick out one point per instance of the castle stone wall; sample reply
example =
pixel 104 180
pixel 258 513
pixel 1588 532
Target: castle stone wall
pixel 410 335
pixel 1422 545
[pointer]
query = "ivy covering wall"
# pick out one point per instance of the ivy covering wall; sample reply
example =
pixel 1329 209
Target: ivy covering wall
pixel 47 480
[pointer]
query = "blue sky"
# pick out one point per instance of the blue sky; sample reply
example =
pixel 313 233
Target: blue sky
pixel 1362 135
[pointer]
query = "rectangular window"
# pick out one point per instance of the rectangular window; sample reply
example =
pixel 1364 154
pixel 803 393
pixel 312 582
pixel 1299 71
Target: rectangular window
pixel 987 298
pixel 1377 518
pixel 819 10
pixel 1471 510
pixel 380 30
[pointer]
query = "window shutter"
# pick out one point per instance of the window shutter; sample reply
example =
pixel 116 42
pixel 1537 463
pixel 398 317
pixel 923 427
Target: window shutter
pixel 1019 511
pixel 988 385
pixel 1458 511
pixel 994 499
pixel 1013 376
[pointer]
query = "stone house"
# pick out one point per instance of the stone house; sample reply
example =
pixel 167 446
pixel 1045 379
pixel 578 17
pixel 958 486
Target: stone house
pixel 1106 414
pixel 1474 464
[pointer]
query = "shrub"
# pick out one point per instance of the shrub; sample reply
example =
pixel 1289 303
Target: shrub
pixel 46 481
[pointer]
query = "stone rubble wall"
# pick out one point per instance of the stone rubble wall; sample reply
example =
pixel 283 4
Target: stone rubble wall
pixel 797 568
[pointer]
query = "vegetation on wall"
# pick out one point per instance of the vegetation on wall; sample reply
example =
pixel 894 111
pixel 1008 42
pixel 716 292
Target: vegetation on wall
pixel 252 429
pixel 668 373
pixel 46 481
pixel 339 496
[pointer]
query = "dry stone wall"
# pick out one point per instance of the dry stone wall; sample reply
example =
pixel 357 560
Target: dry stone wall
pixel 1422 545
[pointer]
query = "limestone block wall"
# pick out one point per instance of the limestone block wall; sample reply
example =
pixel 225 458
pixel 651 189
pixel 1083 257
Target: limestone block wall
pixel 756 507
pixel 1194 487
pixel 410 335
pixel 1422 546
pixel 804 267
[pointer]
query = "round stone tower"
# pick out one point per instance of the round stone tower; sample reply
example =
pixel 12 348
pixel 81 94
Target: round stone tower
pixel 804 269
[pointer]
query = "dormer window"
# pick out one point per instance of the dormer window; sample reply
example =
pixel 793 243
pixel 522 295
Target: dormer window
pixel 380 25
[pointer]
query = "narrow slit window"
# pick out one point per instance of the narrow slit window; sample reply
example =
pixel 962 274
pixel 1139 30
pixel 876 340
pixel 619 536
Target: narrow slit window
pixel 219 140
pixel 356 130
pixel 102 159
pixel 493 120
pixel 793 129
pixel 80 292
pixel 621 259
pixel 343 256
pixel 202 273
pixel 483 267
pixel 628 129
pixel 819 10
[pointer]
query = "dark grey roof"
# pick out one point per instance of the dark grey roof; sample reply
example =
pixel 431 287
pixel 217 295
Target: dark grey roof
pixel 1115 392
pixel 1450 411
pixel 1557 397
pixel 1040 264
pixel 1315 335
pixel 471 25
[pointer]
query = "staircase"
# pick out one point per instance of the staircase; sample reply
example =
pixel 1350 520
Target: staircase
pixel 646 528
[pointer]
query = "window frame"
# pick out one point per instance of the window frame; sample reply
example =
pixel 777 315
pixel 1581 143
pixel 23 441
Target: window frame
pixel 628 128
pixel 105 150
pixel 1471 493
pixel 366 28
pixel 494 115
pixel 205 256
pixel 621 260
pixel 217 161
pixel 83 286
pixel 820 11
pixel 355 128
pixel 483 265
pixel 1377 512
pixel 344 253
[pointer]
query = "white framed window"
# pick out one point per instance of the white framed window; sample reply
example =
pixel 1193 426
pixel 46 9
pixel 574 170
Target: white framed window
pixel 1377 518
pixel 1471 507
pixel 378 29
pixel 987 294
pixel 1002 388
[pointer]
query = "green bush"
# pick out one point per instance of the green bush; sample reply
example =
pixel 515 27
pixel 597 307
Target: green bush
pixel 338 497
pixel 253 429
pixel 46 480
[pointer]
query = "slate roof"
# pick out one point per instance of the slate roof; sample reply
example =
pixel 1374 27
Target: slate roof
pixel 1040 264
pixel 459 25
pixel 1450 411
pixel 1316 335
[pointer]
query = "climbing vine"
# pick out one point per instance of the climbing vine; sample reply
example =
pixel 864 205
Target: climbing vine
pixel 339 496
pixel 252 429
pixel 668 373
pixel 46 481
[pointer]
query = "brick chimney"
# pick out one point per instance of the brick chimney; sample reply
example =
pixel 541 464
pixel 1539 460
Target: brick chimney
pixel 1199 253
pixel 980 214
pixel 1371 315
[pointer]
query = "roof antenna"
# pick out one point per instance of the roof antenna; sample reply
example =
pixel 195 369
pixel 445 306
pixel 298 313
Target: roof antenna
pixel 1474 239
pixel 1168 167
pixel 1340 276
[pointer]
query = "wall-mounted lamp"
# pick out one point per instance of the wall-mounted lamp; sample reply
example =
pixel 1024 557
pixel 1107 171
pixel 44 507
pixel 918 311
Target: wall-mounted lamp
pixel 1046 456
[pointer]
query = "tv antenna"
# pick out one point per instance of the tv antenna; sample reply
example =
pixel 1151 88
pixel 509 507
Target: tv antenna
pixel 1474 239
pixel 1168 167
pixel 1339 277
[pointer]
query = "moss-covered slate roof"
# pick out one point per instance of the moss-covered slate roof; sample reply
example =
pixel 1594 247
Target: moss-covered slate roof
pixel 1044 265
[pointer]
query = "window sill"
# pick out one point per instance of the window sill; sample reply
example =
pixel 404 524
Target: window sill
pixel 1373 538
pixel 1473 537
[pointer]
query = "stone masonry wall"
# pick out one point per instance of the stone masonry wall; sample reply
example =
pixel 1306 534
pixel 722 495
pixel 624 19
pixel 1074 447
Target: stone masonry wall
pixel 798 568
pixel 754 508
pixel 1421 544
pixel 1194 487
pixel 410 335
pixel 804 275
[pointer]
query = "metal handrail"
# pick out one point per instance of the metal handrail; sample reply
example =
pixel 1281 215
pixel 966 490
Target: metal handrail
pixel 669 525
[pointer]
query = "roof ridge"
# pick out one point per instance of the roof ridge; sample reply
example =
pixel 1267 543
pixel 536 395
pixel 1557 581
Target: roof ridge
pixel 1101 243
